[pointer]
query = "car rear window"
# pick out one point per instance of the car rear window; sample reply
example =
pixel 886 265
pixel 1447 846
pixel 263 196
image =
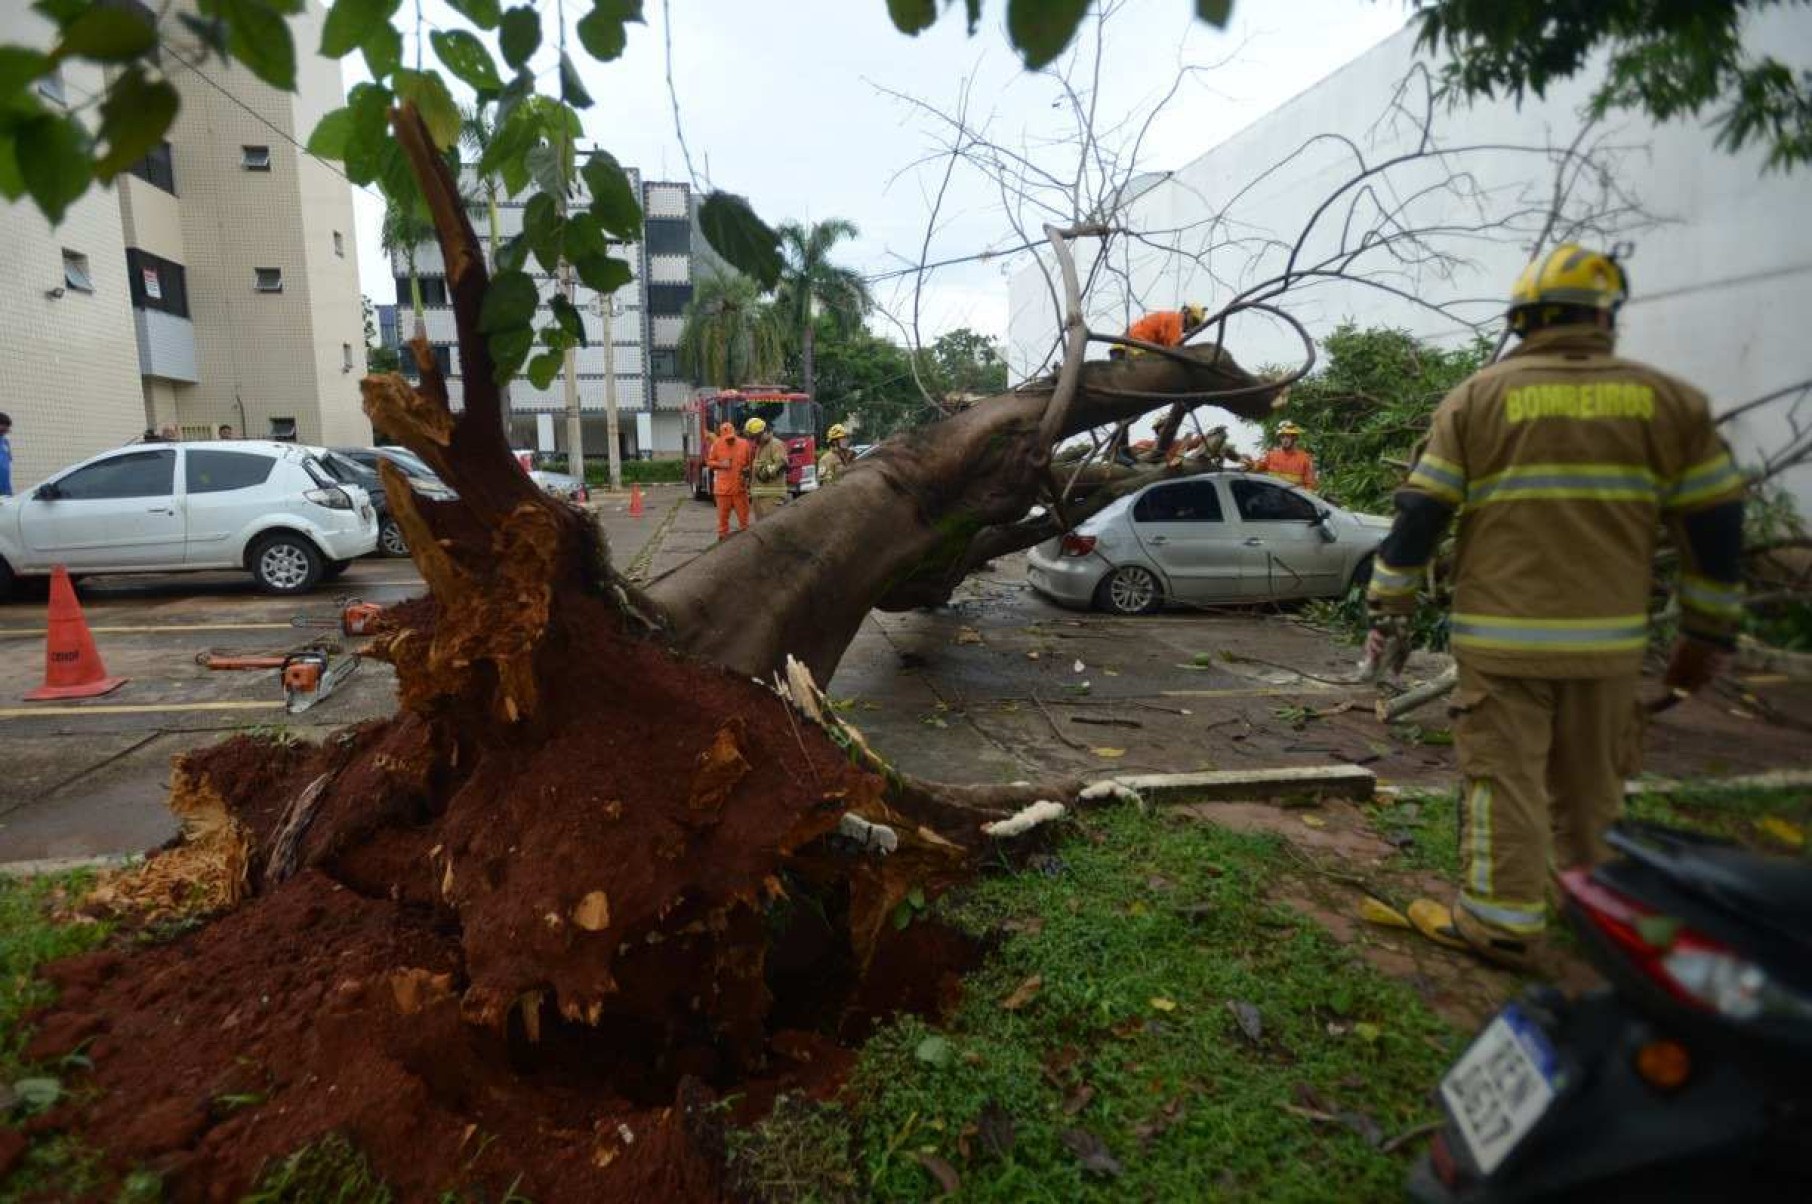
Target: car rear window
pixel 225 471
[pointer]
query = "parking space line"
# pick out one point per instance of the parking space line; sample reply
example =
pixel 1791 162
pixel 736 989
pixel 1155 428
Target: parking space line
pixel 110 629
pixel 140 708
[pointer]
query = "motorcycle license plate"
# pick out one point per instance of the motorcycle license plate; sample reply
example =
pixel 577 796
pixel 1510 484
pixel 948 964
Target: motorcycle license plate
pixel 1501 1087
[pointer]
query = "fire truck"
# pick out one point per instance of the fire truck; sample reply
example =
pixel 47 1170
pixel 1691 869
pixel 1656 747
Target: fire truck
pixel 794 418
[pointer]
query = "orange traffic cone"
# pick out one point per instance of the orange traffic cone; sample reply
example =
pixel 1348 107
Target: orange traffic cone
pixel 72 668
pixel 635 501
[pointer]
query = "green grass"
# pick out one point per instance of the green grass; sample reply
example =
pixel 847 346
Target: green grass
pixel 329 1171
pixel 1146 938
pixel 635 472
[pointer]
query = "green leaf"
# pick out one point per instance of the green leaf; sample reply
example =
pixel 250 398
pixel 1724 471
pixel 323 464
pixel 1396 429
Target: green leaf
pixel 547 166
pixel 466 57
pixel 429 94
pixel 483 13
pixel 567 314
pixel 743 239
pixel 612 199
pixel 19 67
pixel 509 303
pixel 108 35
pixel 902 915
pixel 352 22
pixel 572 88
pixel 916 897
pixel 212 31
pixel 364 148
pixel 508 349
pixel 603 274
pixel 136 115
pixel 601 30
pixel 12 184
pixel 63 11
pixel 1215 12
pixel 53 161
pixel 934 1051
pixel 912 16
pixel 258 36
pixel 584 237
pixel 512 253
pixel 383 51
pixel 544 367
pixel 37 1094
pixel 541 228
pixel 1041 29
pixel 519 36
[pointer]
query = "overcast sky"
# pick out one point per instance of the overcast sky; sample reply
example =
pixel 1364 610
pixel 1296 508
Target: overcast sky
pixel 784 103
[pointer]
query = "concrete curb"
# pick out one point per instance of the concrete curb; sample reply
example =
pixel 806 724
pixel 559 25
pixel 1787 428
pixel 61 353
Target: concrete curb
pixel 63 865
pixel 1319 781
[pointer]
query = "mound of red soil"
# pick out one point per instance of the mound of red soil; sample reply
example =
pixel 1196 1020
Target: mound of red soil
pixel 536 952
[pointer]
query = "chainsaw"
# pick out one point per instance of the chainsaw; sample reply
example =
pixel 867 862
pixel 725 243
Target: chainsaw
pixel 310 676
pixel 356 617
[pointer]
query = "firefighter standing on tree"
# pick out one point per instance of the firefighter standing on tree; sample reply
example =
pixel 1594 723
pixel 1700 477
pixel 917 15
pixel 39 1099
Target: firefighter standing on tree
pixel 1561 459
pixel 1162 328
pixel 768 469
pixel 1287 461
pixel 836 457
pixel 729 465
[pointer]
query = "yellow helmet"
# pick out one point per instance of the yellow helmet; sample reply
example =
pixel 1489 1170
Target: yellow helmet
pixel 836 432
pixel 754 426
pixel 1568 275
pixel 1193 313
pixel 1289 428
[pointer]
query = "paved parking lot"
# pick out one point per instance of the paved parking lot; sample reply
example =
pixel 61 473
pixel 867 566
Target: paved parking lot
pixel 998 686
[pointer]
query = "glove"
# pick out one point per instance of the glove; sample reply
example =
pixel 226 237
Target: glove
pixel 1694 664
pixel 1386 648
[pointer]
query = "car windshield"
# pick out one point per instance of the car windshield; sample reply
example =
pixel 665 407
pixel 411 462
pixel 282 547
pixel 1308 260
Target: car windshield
pixel 782 417
pixel 411 464
pixel 347 469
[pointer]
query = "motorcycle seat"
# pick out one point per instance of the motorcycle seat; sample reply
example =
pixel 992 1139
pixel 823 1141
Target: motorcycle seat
pixel 1766 890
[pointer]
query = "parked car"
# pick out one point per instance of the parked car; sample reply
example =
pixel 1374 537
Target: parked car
pixel 559 484
pixel 345 469
pixel 1224 537
pixel 423 478
pixel 269 508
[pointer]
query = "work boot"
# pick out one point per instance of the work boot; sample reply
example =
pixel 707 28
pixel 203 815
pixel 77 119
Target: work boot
pixel 1457 928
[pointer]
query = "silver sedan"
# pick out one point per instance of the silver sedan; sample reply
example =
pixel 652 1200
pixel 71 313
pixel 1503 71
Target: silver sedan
pixel 1221 538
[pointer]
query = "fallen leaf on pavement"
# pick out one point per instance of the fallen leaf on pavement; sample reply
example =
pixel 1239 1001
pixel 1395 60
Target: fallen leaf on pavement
pixel 967 635
pixel 1109 754
pixel 1031 656
pixel 1079 667
pixel 948 1181
pixel 1251 1024
pixel 1164 1005
pixel 1092 1152
pixel 1374 911
pixel 994 1128
pixel 1023 994
pixel 1782 831
pixel 1314 821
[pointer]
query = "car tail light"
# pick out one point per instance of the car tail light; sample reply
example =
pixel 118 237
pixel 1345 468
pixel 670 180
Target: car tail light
pixel 1076 545
pixel 1441 1159
pixel 1695 969
pixel 334 498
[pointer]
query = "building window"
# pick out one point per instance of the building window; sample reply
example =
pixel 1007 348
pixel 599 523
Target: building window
pixel 157 283
pixel 283 430
pixel 50 85
pixel 443 360
pixel 433 290
pixel 267 280
pixel 339 244
pixel 346 357
pixel 663 363
pixel 157 168
pixel 255 158
pixel 75 272
pixel 668 300
pixel 667 236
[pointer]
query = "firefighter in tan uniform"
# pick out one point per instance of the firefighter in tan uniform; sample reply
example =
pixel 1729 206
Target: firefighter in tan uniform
pixel 1561 460
pixel 837 456
pixel 767 484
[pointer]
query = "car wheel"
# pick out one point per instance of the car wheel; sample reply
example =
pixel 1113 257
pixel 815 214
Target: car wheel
pixel 1130 590
pixel 7 581
pixel 286 564
pixel 390 539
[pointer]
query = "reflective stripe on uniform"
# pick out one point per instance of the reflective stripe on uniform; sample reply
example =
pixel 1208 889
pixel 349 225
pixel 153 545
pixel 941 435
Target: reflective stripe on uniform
pixel 1570 482
pixel 1519 916
pixel 1388 582
pixel 1443 478
pixel 1615 634
pixel 1478 831
pixel 1711 597
pixel 1703 482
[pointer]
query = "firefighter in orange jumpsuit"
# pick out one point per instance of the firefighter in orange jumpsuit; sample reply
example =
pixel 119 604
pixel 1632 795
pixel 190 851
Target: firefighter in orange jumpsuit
pixel 729 464
pixel 1287 461
pixel 1561 460
pixel 1164 328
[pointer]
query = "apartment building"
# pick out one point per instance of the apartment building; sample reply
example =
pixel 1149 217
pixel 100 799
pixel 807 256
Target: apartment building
pixel 215 284
pixel 643 319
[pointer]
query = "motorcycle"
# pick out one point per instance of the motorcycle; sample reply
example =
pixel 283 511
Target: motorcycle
pixel 1688 1078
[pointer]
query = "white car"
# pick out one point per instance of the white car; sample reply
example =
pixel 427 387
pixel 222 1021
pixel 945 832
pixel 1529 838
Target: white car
pixel 1219 538
pixel 268 508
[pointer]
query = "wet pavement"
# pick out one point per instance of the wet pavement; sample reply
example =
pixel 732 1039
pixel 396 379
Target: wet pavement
pixel 1000 685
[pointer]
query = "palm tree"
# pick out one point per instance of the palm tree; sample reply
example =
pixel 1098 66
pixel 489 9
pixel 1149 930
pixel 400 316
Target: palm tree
pixel 730 336
pixel 810 284
pixel 405 228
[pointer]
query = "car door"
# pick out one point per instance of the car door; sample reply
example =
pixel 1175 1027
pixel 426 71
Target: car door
pixel 1285 554
pixel 226 492
pixel 1182 526
pixel 114 513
